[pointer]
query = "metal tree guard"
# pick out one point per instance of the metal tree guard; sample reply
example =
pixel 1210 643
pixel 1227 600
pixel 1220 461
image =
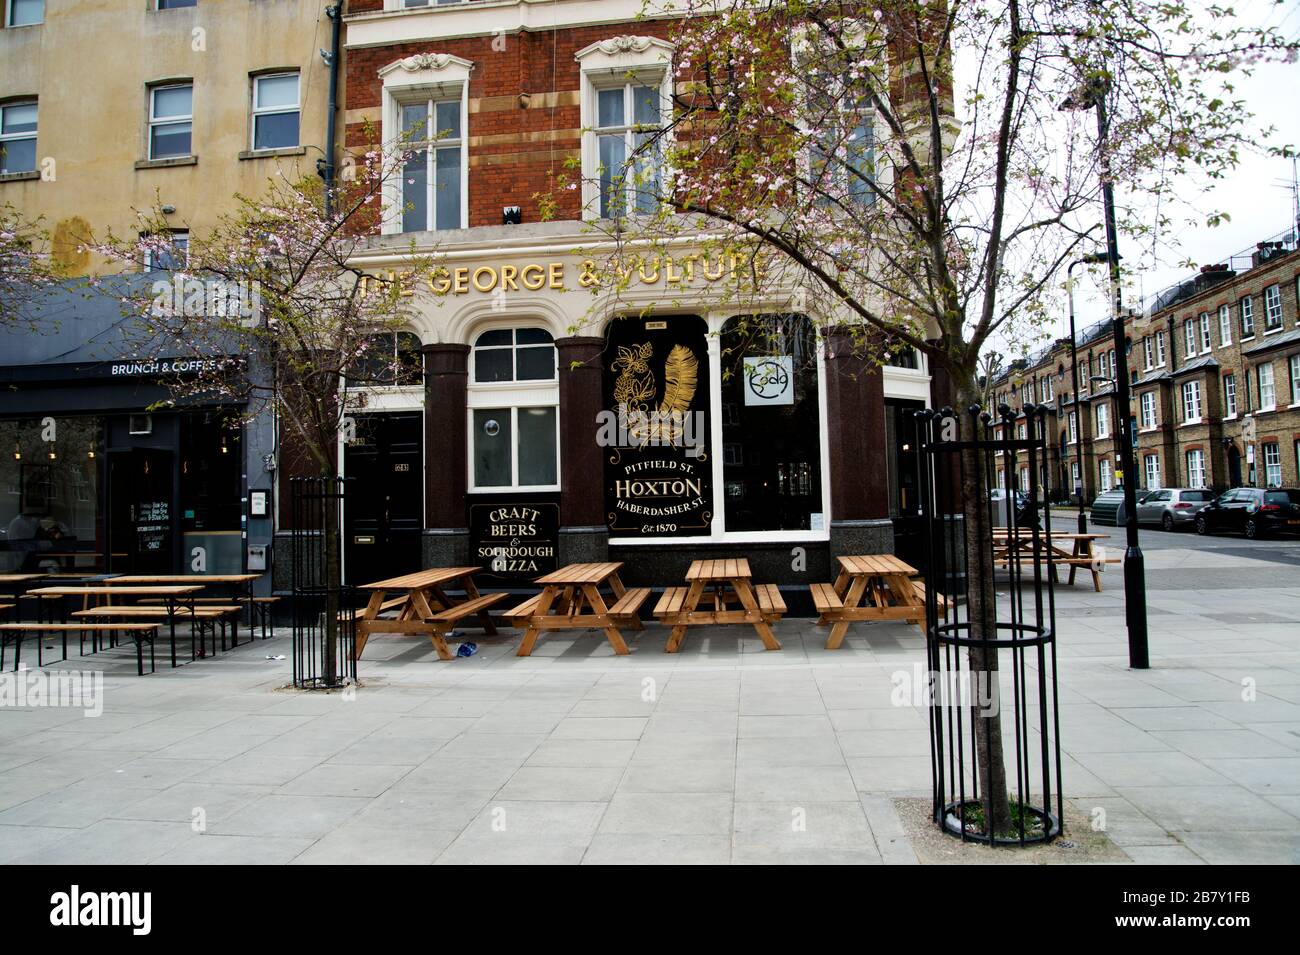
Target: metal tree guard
pixel 324 636
pixel 958 471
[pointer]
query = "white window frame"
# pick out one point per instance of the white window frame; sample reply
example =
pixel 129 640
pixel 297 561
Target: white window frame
pixel 619 61
pixel 1073 420
pixel 1105 478
pixel 1225 325
pixel 1146 353
pixel 1192 402
pixel 1147 404
pixel 1160 349
pixel 1195 472
pixel 1246 309
pixel 255 112
pixel 1273 308
pixel 181 236
pixel 1265 385
pixel 1189 338
pixel 510 396
pixel 1151 467
pixel 1103 420
pixel 1229 396
pixel 1206 343
pixel 170 120
pixel 24 136
pixel 1293 368
pixel 422 77
pixel 1272 464
pixel 9 18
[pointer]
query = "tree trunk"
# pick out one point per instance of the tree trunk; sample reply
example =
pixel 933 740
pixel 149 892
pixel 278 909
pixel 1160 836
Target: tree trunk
pixel 982 610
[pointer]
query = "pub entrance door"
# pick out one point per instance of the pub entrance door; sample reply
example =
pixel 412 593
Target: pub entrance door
pixel 141 518
pixel 383 512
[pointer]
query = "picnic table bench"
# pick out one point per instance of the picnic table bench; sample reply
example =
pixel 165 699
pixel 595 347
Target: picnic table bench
pixel 885 580
pixel 722 583
pixel 142 632
pixel 1018 548
pixel 565 592
pixel 172 594
pixel 426 606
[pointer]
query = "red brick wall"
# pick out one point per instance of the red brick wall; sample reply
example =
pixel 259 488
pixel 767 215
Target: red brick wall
pixel 514 169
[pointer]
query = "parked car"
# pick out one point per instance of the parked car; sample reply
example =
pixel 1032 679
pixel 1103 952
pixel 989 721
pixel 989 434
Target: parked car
pixel 1173 508
pixel 1255 511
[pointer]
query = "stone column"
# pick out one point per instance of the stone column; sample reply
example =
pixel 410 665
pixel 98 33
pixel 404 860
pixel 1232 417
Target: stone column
pixel 855 425
pixel 584 536
pixel 446 534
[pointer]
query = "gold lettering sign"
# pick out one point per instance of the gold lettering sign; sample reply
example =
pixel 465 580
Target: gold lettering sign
pixel 535 276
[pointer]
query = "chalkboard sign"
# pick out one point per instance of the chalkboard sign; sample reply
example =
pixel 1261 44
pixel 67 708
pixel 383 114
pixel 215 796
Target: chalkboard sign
pixel 514 540
pixel 153 528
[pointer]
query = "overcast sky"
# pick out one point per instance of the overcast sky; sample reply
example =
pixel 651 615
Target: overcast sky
pixel 1257 195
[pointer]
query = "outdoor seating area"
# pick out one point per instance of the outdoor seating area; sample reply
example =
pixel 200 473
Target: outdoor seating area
pixel 1020 547
pixel 105 608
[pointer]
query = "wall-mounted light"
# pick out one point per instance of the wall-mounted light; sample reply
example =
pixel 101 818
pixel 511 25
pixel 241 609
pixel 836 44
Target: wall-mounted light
pixel 54 455
pixel 224 449
pixel 91 452
pixel 18 451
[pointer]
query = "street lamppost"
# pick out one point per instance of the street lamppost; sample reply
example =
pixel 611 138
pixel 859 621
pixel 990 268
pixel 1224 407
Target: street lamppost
pixel 1092 258
pixel 1092 95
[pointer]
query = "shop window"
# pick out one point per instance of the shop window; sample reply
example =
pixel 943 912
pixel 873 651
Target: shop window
pixel 769 391
pixel 50 519
pixel 394 359
pixel 18 137
pixel 514 416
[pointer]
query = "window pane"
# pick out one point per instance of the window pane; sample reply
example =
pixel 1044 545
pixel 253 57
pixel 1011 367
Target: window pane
pixel 26 12
pixel 415 120
pixel 609 107
pixel 176 4
pixel 491 441
pixel 497 336
pixel 647 173
pixel 170 139
pixel 772 466
pixel 447 200
pixel 861 159
pixel 536 446
pixel 19 119
pixel 173 101
pixel 447 120
pixel 613 153
pixel 17 155
pixel 415 199
pixel 532 336
pixel 275 131
pixel 536 364
pixel 645 105
pixel 277 91
pixel 492 364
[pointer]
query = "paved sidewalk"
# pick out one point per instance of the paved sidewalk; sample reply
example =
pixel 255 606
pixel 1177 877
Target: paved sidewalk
pixel 712 755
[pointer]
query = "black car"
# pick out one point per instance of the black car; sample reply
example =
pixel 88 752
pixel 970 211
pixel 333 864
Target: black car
pixel 1255 511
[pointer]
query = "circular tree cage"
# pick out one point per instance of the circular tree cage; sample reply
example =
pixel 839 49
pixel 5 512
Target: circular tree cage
pixel 324 621
pixel 990 615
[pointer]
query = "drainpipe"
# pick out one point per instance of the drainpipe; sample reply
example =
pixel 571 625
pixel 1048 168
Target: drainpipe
pixel 335 13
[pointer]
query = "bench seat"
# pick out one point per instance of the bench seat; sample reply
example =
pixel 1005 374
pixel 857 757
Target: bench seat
pixel 770 600
pixel 628 606
pixel 141 631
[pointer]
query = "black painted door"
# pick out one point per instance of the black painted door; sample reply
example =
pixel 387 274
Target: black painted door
pixel 141 514
pixel 384 516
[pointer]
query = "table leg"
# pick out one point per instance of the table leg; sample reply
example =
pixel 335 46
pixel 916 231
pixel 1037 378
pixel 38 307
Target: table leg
pixel 601 614
pixel 370 613
pixel 851 601
pixel 484 617
pixel 691 601
pixel 748 601
pixel 535 621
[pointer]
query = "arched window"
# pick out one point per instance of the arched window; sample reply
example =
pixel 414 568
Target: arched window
pixel 514 410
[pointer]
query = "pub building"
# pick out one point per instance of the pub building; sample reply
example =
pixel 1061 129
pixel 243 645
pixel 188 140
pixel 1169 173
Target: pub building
pixel 98 475
pixel 758 431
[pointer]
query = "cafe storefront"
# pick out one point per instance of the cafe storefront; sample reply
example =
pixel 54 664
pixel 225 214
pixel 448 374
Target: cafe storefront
pixel 563 423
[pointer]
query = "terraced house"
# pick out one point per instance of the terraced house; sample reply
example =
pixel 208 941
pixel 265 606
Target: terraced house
pixel 1215 371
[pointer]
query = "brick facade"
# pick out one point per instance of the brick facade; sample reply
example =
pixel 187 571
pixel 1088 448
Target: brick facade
pixel 1171 440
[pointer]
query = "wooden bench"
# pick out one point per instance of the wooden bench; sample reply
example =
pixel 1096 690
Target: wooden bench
pixel 445 621
pixel 207 617
pixel 142 632
pixel 397 603
pixel 264 607
pixel 770 601
pixel 518 616
pixel 825 599
pixel 627 607
pixel 670 601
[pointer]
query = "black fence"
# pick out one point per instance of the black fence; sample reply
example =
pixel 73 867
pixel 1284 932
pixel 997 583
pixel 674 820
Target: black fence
pixel 324 625
pixel 990 629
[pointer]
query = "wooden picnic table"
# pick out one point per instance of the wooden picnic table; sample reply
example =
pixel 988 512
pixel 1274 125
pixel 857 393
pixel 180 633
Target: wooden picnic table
pixel 884 579
pixel 11 585
pixel 1079 552
pixel 425 607
pixel 565 592
pixel 234 580
pixel 723 582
